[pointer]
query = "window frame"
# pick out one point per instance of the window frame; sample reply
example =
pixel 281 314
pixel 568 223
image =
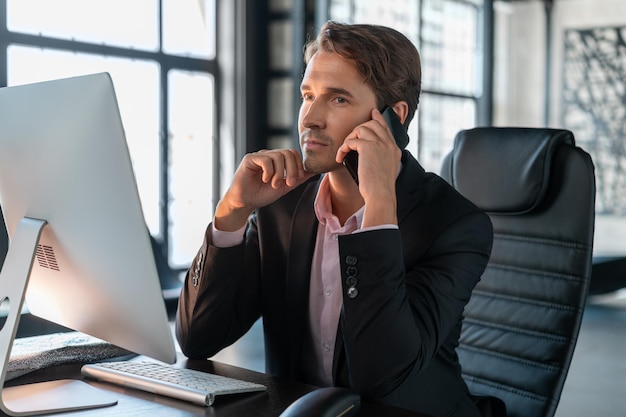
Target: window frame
pixel 166 63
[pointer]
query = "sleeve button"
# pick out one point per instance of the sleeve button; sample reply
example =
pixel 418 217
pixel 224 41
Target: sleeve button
pixel 352 271
pixel 351 260
pixel 352 292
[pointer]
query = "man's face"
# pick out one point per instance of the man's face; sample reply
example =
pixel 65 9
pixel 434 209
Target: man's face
pixel 335 99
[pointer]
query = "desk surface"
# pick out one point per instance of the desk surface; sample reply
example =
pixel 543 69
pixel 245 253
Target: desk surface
pixel 280 393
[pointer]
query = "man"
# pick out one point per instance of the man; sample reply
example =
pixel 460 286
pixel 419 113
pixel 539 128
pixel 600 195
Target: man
pixel 361 286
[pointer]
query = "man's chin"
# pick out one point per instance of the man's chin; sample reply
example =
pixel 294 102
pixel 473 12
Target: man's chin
pixel 315 168
pixel 311 166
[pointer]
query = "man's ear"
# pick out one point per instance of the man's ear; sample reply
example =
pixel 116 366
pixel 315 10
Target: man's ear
pixel 401 108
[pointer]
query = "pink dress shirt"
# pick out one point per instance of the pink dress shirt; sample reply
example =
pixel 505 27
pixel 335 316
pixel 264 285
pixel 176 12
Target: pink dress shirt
pixel 325 297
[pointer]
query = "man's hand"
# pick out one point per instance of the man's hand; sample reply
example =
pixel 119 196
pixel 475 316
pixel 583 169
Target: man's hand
pixel 379 163
pixel 261 178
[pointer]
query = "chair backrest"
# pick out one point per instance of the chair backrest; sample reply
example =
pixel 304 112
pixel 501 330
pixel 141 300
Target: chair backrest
pixel 523 319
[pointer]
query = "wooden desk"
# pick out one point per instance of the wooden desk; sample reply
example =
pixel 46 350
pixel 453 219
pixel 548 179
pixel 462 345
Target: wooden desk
pixel 280 393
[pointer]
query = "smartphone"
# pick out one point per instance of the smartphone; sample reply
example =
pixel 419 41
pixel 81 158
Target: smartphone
pixel 351 161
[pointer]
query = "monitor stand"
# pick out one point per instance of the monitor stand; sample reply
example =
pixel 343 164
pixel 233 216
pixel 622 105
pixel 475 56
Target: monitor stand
pixel 44 397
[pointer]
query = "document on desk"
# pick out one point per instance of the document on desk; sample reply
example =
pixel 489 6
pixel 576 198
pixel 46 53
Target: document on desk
pixel 37 352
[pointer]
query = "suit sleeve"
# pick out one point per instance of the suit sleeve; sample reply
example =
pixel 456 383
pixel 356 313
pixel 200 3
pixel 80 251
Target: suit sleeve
pixel 219 300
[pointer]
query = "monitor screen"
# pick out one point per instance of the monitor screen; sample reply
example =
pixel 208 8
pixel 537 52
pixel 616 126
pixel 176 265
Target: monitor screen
pixel 64 162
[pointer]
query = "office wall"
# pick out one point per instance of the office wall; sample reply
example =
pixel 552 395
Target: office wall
pixel 519 61
pixel 595 103
pixel 520 54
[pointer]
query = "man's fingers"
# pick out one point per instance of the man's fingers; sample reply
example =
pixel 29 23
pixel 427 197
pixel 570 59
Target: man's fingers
pixel 279 166
pixel 294 169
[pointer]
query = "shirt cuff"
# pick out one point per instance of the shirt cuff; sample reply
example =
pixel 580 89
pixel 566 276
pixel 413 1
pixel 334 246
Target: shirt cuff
pixel 379 227
pixel 223 239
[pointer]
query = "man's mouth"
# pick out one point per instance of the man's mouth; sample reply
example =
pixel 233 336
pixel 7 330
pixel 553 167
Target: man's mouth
pixel 313 141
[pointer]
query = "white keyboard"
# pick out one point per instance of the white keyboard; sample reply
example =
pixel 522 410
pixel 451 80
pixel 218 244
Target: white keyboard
pixel 184 384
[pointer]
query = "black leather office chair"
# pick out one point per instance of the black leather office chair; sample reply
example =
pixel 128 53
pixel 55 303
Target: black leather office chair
pixel 522 322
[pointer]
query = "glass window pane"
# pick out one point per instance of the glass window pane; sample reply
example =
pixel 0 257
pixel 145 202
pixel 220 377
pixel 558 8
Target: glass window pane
pixel 450 51
pixel 136 85
pixel 189 28
pixel 281 45
pixel 441 118
pixel 123 23
pixel 280 103
pixel 191 98
pixel 402 15
pixel 280 5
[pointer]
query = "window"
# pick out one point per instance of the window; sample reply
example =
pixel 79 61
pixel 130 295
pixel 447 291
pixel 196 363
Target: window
pixel 447 36
pixel 450 56
pixel 161 57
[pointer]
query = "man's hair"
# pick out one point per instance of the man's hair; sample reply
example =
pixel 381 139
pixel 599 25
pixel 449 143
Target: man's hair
pixel 387 60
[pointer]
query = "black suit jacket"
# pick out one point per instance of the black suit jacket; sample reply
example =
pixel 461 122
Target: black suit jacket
pixel 397 337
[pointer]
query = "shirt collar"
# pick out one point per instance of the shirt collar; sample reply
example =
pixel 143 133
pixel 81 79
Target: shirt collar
pixel 324 209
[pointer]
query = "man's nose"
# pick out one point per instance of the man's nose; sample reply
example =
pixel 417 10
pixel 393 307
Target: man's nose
pixel 313 115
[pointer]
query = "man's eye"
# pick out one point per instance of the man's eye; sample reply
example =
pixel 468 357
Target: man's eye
pixel 341 100
pixel 307 97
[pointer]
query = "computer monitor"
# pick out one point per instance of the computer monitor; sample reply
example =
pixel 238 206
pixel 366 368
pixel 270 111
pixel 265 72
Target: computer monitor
pixel 79 247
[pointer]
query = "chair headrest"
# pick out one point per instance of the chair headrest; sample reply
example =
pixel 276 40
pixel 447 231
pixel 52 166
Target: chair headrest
pixel 505 169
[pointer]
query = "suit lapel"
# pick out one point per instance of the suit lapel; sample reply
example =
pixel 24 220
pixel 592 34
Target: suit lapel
pixel 303 233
